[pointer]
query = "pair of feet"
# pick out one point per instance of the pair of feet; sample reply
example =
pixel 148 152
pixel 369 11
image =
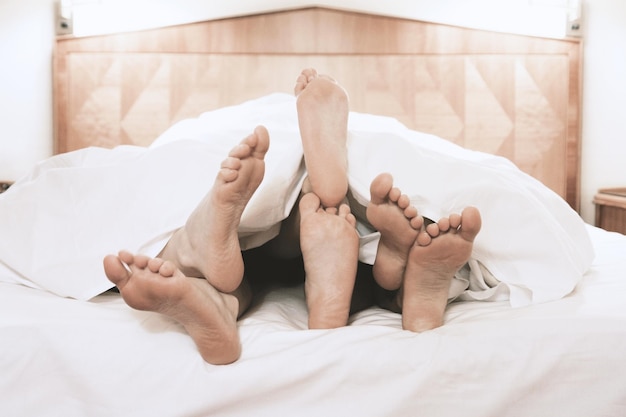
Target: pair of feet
pixel 419 261
pixel 207 247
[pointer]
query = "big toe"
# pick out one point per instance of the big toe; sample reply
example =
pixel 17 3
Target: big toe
pixel 309 203
pixel 470 223
pixel 380 187
pixel 263 142
pixel 115 270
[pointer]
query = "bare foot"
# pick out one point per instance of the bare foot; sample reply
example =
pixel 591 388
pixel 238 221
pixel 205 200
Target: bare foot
pixel 153 284
pixel 391 213
pixel 208 245
pixel 323 120
pixel 330 249
pixel 445 247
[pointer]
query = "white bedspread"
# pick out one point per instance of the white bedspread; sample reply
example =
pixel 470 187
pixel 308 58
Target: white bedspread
pixel 66 357
pixel 59 222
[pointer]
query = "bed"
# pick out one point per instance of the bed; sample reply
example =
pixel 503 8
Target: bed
pixel 72 347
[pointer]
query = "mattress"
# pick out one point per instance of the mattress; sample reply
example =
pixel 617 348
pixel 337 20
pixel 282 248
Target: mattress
pixel 69 357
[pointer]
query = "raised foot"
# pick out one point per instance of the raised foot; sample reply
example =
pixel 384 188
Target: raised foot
pixel 208 245
pixel 446 246
pixel 153 284
pixel 330 246
pixel 322 106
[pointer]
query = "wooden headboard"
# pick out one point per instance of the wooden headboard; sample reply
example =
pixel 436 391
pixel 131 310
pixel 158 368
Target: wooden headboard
pixel 510 95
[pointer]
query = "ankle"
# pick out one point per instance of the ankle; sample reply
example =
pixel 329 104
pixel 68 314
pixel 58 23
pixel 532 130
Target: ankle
pixel 178 250
pixel 423 315
pixel 327 313
pixel 421 324
pixel 327 319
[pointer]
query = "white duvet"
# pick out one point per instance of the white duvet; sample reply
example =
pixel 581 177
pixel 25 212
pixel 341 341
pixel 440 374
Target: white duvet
pixel 59 222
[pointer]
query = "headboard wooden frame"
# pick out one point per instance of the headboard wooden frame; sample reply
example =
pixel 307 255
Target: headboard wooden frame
pixel 511 95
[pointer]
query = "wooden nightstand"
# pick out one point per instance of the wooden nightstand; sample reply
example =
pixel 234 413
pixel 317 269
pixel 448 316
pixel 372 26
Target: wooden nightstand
pixel 611 209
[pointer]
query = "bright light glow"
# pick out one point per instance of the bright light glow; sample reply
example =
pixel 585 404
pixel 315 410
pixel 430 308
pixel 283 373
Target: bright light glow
pixel 545 18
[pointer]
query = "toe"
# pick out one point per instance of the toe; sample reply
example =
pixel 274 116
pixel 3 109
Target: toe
pixel 155 264
pixel 380 187
pixel 310 73
pixel 141 261
pixel 231 163
pixel 433 229
pixel 262 142
pixel 395 194
pixel 444 224
pixel 228 175
pixel 470 223
pixel 455 221
pixel 240 151
pixel 404 201
pixel 424 239
pixel 309 203
pixel 115 270
pixel 344 210
pixel 417 222
pixel 167 269
pixel 127 257
pixel 410 212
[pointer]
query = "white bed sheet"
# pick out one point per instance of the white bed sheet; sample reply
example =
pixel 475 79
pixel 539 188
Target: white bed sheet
pixel 67 357
pixel 61 220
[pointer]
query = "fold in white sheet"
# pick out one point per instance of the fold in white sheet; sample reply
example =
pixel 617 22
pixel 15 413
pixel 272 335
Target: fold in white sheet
pixel 59 222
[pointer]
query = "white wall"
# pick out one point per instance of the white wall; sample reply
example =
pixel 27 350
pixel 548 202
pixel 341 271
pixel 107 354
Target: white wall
pixel 604 100
pixel 26 39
